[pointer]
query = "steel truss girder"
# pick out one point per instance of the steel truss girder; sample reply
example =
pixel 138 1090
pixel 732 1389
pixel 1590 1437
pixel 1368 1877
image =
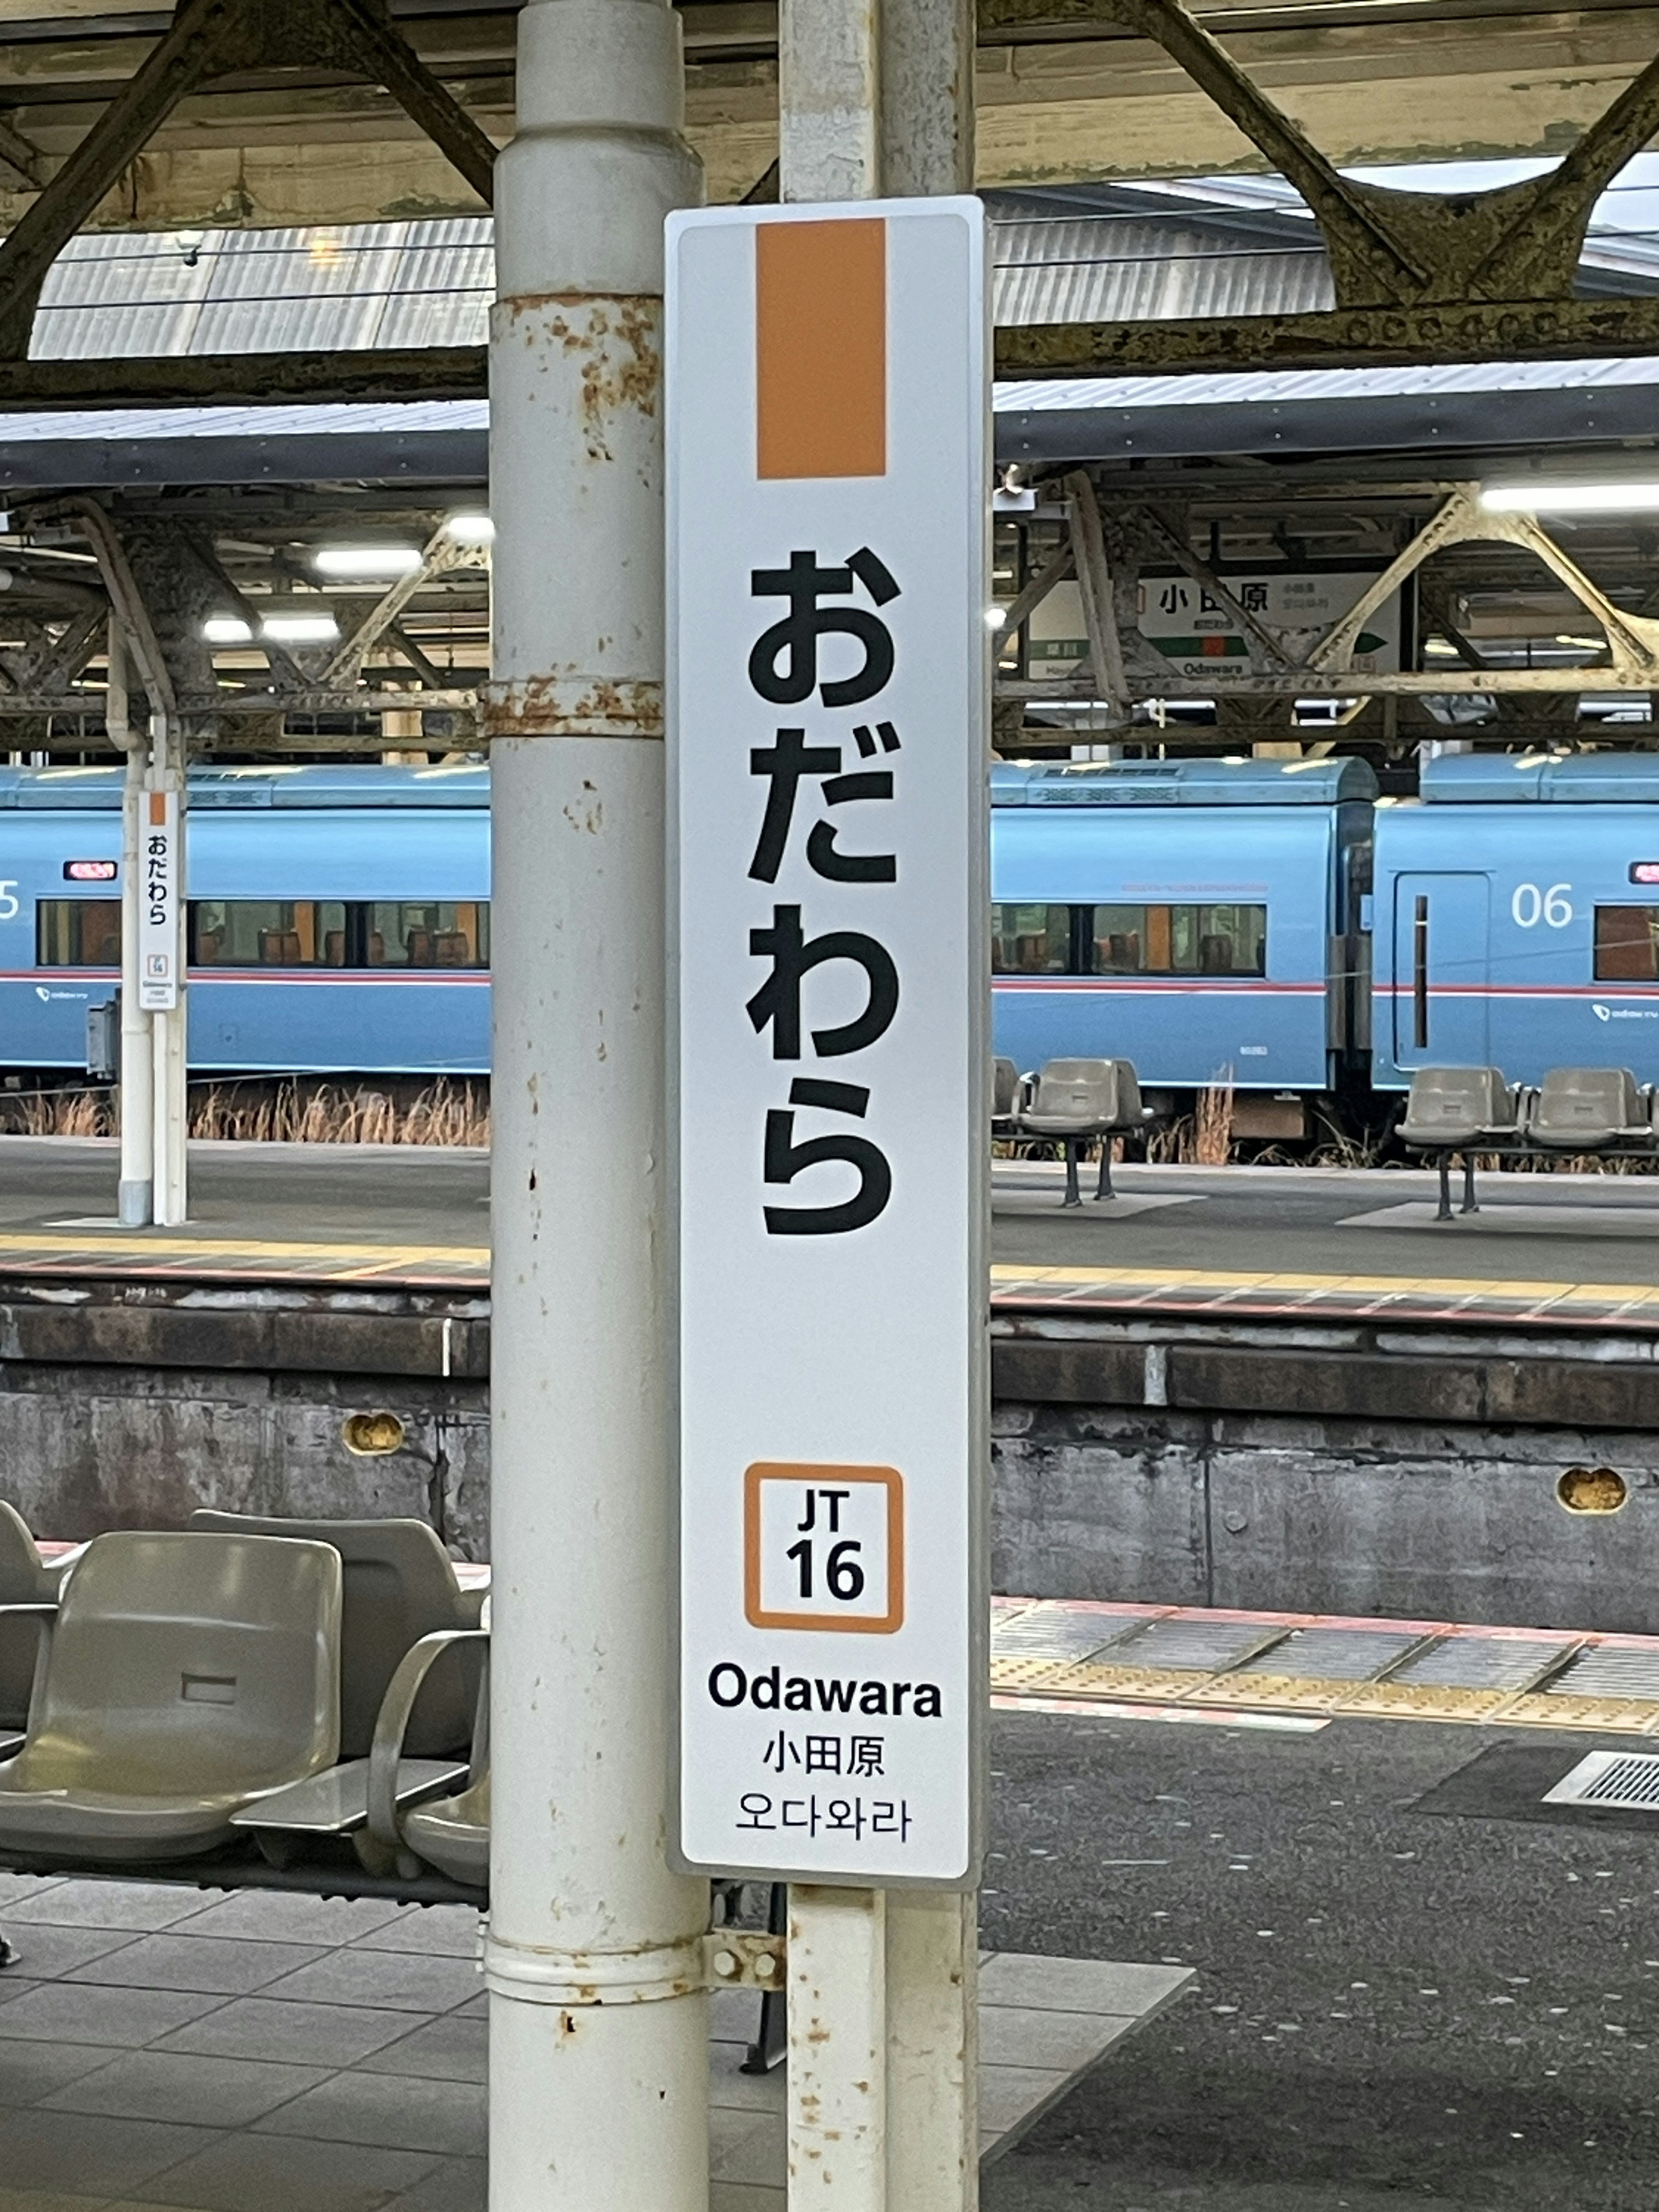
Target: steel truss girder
pixel 1123 669
pixel 212 39
pixel 1462 276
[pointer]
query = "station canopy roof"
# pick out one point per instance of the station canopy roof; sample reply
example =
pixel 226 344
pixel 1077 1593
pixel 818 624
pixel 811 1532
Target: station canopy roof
pixel 1204 246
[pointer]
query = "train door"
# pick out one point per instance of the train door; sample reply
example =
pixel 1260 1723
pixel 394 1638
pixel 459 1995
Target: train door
pixel 1441 999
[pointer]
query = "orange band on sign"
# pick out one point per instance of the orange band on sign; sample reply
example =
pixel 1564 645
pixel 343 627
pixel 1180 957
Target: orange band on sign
pixel 158 808
pixel 820 348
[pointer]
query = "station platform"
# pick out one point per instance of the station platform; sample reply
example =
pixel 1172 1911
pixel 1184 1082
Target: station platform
pixel 165 2046
pixel 1207 1663
pixel 1572 1251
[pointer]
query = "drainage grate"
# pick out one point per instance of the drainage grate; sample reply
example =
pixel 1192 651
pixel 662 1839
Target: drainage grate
pixel 1628 1780
pixel 1040 1634
pixel 1484 1663
pixel 1608 1672
pixel 1333 1654
pixel 1195 1647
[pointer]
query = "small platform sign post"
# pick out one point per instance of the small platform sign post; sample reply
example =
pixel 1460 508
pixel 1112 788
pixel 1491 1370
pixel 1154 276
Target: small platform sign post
pixel 160 934
pixel 828 586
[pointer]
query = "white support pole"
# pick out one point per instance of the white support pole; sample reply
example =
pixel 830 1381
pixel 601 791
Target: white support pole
pixel 829 99
pixel 170 1194
pixel 838 2086
pixel 133 1200
pixel 933 2050
pixel 876 97
pixel 599 2023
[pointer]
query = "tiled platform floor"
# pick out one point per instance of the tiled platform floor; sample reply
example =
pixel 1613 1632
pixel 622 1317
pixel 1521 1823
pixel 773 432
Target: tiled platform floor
pixel 165 2047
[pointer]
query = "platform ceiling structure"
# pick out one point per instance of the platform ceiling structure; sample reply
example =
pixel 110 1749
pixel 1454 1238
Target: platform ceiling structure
pixel 218 138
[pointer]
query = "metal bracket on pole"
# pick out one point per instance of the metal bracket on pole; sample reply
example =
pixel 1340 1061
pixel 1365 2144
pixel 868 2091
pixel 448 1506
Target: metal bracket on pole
pixel 740 1958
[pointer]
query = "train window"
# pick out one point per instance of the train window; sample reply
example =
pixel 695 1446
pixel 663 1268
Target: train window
pixel 1030 940
pixel 78 932
pixel 432 935
pixel 1627 944
pixel 1180 940
pixel 268 933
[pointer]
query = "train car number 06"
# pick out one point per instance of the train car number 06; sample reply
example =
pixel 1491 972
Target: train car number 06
pixel 1530 906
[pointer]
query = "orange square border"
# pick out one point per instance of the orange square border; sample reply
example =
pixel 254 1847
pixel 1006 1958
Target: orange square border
pixel 764 1471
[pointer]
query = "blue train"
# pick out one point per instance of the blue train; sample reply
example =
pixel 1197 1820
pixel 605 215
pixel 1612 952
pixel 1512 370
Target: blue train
pixel 338 917
pixel 1270 923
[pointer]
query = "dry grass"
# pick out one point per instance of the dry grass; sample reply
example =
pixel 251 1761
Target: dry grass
pixel 442 1113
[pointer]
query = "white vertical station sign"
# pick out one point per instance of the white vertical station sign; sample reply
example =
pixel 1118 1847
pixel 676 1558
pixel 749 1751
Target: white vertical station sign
pixel 828 582
pixel 160 927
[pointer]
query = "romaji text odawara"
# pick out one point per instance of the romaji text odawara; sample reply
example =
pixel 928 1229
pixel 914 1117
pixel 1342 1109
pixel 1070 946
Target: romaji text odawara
pixel 772 1691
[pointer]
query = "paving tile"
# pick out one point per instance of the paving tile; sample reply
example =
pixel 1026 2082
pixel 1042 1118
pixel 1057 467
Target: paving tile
pixel 48 2200
pixel 1075 1985
pixel 280 1916
pixel 157 2085
pixel 745 2197
pixel 303 2034
pixel 77 2012
pixel 13 1983
pixel 31 2070
pixel 454 2185
pixel 91 2156
pixel 756 2151
pixel 447 2050
pixel 448 1931
pixel 270 2173
pixel 1010 2095
pixel 15 1887
pixel 399 1979
pixel 92 1903
pixel 220 1966
pixel 381 2109
pixel 476 2008
pixel 45 1953
pixel 1014 2035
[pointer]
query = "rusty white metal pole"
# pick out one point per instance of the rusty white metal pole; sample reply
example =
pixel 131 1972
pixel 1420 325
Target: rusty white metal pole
pixel 876 97
pixel 137 1080
pixel 838 2086
pixel 598 2022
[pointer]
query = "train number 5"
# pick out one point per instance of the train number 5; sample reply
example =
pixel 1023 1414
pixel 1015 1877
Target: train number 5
pixel 1530 906
pixel 7 900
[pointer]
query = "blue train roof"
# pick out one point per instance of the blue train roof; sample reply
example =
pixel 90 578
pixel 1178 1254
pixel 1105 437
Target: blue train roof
pixel 463 784
pixel 1563 778
pixel 1182 783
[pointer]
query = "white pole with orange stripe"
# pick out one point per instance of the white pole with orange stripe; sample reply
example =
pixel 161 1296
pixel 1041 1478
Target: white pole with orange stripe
pixel 598 2058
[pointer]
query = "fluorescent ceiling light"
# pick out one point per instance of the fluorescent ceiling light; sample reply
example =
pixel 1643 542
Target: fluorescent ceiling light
pixel 1630 496
pixel 471 529
pixel 285 629
pixel 366 560
pixel 300 629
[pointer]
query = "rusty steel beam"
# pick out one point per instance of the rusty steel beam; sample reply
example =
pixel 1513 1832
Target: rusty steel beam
pixel 210 39
pixel 240 378
pixel 1388 247
pixel 1341 338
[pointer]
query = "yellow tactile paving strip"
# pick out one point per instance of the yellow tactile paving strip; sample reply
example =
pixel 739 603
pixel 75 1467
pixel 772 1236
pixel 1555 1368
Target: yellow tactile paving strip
pixel 1279 1292
pixel 1539 1665
pixel 186 1253
pixel 148 1253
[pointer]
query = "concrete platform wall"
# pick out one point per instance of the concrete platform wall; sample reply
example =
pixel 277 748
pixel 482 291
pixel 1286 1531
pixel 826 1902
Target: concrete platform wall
pixel 1425 1521
pixel 85 1449
pixel 1318 1469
